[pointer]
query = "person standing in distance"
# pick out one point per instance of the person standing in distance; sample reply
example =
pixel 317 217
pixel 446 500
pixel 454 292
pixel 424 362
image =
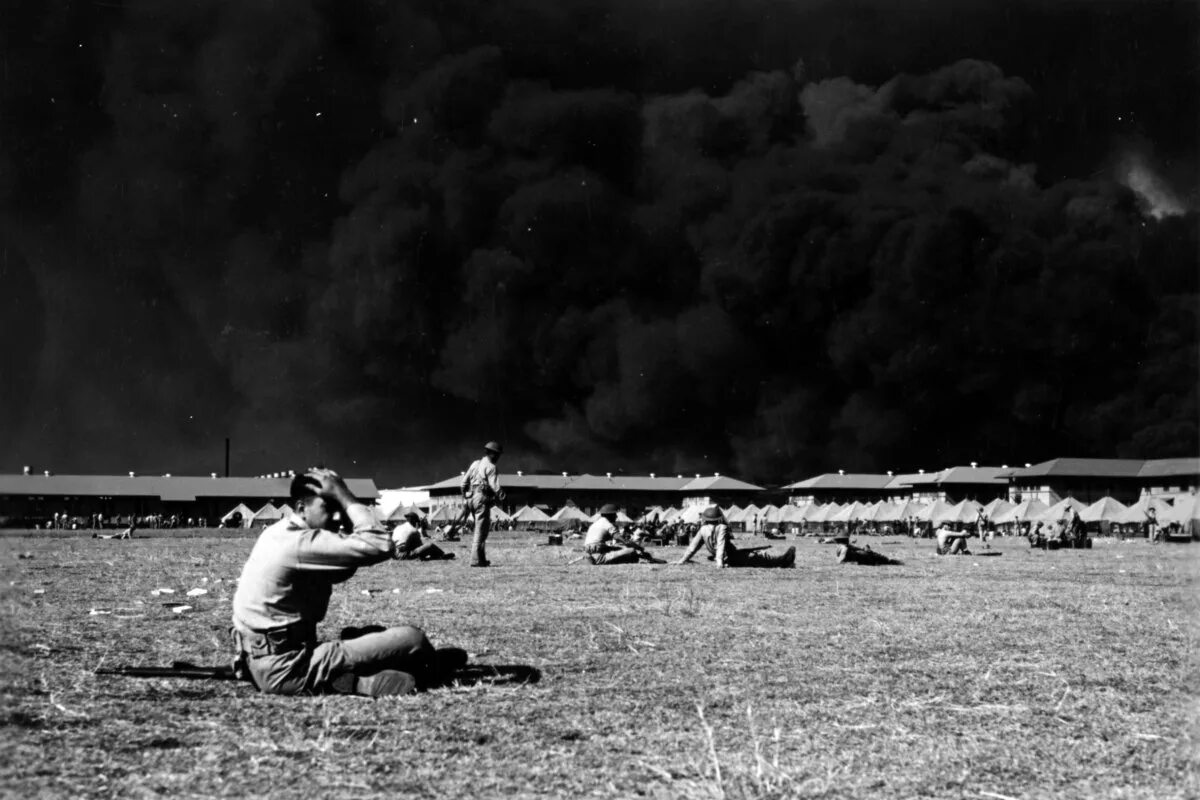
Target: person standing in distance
pixel 481 490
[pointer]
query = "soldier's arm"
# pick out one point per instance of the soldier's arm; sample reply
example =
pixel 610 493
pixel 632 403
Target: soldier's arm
pixel 465 485
pixel 320 551
pixel 696 543
pixel 493 479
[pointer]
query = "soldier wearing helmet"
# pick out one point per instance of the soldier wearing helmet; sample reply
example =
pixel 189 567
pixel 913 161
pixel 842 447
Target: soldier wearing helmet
pixel 481 490
pixel 715 535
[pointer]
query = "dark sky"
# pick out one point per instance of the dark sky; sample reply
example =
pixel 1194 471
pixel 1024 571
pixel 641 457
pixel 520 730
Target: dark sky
pixel 764 238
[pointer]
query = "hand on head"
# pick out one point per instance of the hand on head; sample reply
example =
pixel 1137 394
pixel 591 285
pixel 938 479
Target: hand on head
pixel 328 483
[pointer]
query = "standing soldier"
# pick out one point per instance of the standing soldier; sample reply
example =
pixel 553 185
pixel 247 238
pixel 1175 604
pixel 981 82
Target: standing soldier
pixel 714 534
pixel 480 490
pixel 284 592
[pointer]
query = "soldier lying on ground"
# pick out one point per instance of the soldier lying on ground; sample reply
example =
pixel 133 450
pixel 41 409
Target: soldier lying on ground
pixel 603 547
pixel 284 592
pixel 714 534
pixel 408 545
pixel 849 553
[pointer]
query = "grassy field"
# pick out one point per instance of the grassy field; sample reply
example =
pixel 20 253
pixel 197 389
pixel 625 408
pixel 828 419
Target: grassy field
pixel 1066 674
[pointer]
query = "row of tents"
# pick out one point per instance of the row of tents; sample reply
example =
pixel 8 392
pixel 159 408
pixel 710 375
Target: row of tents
pixel 1184 511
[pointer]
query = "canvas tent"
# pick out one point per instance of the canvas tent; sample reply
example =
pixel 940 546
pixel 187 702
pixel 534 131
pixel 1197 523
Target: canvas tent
pixel 267 515
pixel 1106 509
pixel 1024 511
pixel 244 510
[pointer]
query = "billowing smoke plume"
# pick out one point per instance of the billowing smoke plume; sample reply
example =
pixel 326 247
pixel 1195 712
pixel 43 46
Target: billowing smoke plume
pixel 769 240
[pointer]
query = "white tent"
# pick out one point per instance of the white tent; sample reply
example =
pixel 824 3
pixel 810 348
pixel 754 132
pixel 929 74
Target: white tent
pixel 530 514
pixel 996 507
pixel 846 513
pixel 691 515
pixel 904 511
pixel 934 510
pixel 654 514
pixel 1105 509
pixel 790 513
pixel 1062 508
pixel 1136 513
pixel 965 511
pixel 1024 511
pixel 879 512
pixel 267 514
pixel 498 515
pixel 824 512
pixel 770 514
pixel 571 514
pixel 732 512
pixel 1186 512
pixel 244 510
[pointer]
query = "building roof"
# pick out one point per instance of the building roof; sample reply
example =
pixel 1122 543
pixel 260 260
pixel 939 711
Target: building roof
pixel 960 475
pixel 1081 468
pixel 620 483
pixel 181 488
pixel 837 480
pixel 1170 467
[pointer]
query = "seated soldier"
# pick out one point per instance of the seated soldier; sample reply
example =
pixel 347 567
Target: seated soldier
pixel 714 534
pixel 601 545
pixel 952 543
pixel 284 590
pixel 406 539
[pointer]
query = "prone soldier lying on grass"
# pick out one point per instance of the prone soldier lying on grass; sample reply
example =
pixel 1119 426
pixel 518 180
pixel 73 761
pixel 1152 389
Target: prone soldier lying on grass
pixel 715 535
pixel 603 547
pixel 284 592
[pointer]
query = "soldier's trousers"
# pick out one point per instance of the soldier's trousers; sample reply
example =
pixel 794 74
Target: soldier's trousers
pixel 483 525
pixel 607 554
pixel 761 558
pixel 312 669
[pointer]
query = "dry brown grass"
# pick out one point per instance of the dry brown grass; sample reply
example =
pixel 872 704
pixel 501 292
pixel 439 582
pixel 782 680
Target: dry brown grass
pixel 1068 674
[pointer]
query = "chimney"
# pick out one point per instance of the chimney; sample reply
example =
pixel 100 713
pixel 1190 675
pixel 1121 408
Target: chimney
pixel 214 475
pixel 166 474
pixel 841 472
pixel 1028 465
pixel 520 473
pixel 564 474
pixel 609 474
pixel 1004 466
pixel 678 475
pixel 652 475
pixel 921 471
pixel 974 464
pixel 132 474
pixel 46 473
pixel 716 474
pixel 889 473
pixel 26 470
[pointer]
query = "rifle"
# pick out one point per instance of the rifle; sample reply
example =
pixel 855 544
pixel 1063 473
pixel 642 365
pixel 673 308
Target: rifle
pixel 640 550
pixel 178 669
pixel 454 526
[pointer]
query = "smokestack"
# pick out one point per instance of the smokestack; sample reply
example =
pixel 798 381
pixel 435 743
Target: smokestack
pixel 226 456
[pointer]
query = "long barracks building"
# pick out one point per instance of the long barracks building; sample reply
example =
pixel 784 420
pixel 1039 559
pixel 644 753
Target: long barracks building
pixel 37 498
pixel 633 493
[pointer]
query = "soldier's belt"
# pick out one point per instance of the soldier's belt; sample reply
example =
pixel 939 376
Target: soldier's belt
pixel 275 641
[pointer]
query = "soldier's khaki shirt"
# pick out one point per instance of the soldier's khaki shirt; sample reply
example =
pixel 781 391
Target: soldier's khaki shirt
pixel 600 532
pixel 717 538
pixel 406 537
pixel 292 569
pixel 481 483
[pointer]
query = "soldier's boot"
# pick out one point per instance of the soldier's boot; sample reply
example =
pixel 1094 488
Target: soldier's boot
pixel 478 554
pixel 385 683
pixel 789 557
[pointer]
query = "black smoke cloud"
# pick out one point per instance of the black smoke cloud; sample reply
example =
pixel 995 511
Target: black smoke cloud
pixel 770 238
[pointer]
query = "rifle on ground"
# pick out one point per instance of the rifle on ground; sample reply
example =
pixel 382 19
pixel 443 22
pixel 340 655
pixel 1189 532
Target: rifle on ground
pixel 640 550
pixel 178 669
